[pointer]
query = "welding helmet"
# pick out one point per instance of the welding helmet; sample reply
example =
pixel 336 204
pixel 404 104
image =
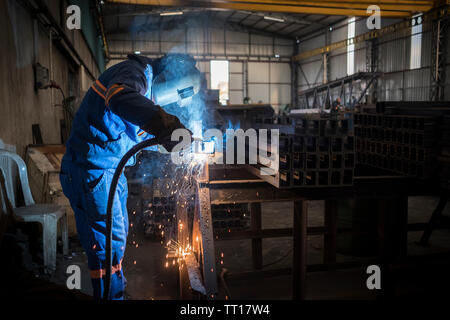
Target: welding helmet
pixel 175 80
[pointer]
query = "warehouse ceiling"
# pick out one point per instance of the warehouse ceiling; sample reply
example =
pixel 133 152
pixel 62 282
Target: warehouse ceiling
pixel 282 18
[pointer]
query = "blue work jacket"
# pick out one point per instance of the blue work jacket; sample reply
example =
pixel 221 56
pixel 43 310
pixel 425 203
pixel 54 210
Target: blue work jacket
pixel 105 127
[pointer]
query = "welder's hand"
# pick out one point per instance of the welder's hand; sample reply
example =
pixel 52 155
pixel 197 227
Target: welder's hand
pixel 162 125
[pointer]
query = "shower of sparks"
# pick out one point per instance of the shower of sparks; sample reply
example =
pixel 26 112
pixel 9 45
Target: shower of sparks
pixel 182 187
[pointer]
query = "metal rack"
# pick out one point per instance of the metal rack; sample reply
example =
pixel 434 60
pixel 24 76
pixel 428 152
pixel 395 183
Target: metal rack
pixel 398 143
pixel 318 152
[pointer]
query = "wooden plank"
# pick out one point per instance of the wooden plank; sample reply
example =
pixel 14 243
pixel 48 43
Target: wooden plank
pixel 41 160
pixel 49 148
pixel 300 250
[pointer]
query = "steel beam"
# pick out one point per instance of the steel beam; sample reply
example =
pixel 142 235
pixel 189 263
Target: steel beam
pixel 327 7
pixel 438 63
pixel 256 222
pixel 443 12
pixel 329 250
pixel 207 241
pixel 300 250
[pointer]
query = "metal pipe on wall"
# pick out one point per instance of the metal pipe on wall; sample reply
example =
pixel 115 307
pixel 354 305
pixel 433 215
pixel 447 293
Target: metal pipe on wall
pixel 50 47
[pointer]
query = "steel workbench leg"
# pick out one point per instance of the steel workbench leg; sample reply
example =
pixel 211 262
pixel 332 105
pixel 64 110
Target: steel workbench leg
pixel 329 251
pixel 392 239
pixel 255 215
pixel 300 250
pixel 207 238
pixel 437 213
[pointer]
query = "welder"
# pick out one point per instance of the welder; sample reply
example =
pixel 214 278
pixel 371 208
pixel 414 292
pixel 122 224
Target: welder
pixel 122 108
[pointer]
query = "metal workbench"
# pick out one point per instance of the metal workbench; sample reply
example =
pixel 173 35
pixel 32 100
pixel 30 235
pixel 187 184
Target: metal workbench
pixel 236 184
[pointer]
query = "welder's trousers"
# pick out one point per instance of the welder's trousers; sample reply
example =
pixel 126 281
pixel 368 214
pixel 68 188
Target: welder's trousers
pixel 87 190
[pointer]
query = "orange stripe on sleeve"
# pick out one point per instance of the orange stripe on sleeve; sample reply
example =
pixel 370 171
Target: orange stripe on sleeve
pixel 100 85
pixel 98 92
pixel 109 96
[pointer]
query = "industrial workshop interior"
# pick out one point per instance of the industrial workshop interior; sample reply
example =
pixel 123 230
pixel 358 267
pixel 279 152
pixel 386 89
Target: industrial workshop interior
pixel 220 151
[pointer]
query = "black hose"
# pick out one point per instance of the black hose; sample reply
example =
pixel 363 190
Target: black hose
pixel 109 216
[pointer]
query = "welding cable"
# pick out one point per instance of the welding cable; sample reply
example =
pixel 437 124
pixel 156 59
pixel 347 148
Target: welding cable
pixel 109 216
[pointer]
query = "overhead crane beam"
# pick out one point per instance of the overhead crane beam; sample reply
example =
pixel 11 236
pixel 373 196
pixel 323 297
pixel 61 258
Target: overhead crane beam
pixel 389 8
pixel 441 13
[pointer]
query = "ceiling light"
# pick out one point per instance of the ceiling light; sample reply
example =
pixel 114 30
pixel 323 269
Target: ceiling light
pixel 137 52
pixel 174 13
pixel 273 19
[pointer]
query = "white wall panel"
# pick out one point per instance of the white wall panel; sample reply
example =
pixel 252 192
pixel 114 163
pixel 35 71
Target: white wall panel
pixel 237 49
pixel 391 87
pixel 339 34
pixel 258 92
pixel 235 81
pixel 236 67
pixel 146 46
pixel 175 35
pixel 284 50
pixel 203 66
pixel 360 60
pixel 236 97
pixel 196 48
pixel 146 36
pixel 312 43
pixel 258 39
pixel 217 48
pixel 216 35
pixel 195 35
pixel 237 37
pixel 417 85
pixel 173 47
pixel 280 94
pixel 393 55
pixel 338 67
pixel 261 50
pixel 313 72
pixel 258 72
pixel 280 73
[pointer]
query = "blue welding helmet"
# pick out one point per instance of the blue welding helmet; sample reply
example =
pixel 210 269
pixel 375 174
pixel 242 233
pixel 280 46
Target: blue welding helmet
pixel 175 80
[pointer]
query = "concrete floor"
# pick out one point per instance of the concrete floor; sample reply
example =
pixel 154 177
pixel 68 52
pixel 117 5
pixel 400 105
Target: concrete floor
pixel 149 279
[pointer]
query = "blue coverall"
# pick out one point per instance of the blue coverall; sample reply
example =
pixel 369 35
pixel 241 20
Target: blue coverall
pixel 105 127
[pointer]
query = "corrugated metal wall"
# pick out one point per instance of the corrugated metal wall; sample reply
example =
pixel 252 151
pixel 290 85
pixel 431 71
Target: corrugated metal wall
pixel 259 65
pixel 260 69
pixel 399 82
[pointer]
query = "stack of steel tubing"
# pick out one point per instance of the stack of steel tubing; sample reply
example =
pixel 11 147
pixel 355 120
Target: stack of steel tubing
pixel 230 217
pixel 402 144
pixel 319 153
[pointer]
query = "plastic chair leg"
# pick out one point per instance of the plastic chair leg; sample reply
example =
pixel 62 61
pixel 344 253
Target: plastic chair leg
pixel 49 236
pixel 65 234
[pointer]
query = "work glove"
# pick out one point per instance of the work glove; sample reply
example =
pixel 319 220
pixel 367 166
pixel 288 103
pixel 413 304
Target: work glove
pixel 162 125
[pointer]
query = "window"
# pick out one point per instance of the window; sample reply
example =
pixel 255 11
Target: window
pixel 351 47
pixel 416 42
pixel 220 79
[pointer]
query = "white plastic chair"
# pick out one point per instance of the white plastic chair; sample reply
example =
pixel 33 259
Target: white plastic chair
pixel 46 214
